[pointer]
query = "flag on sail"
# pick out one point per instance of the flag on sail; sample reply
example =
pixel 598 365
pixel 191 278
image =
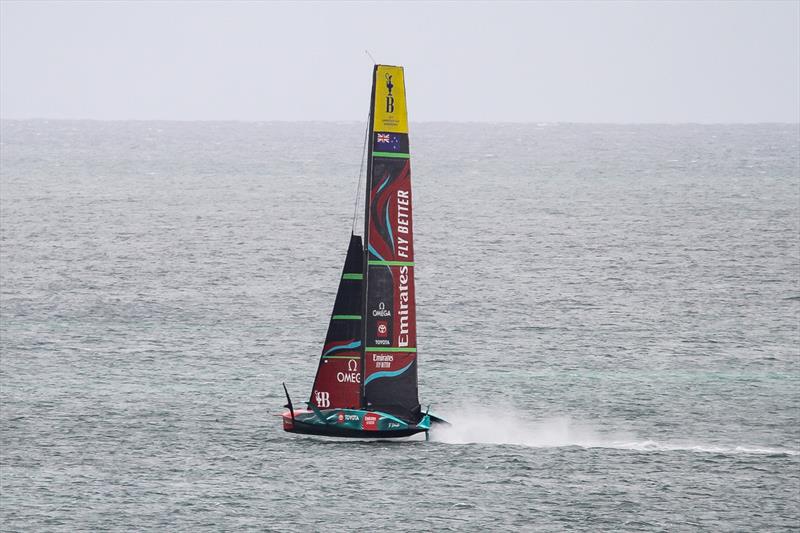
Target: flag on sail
pixel 391 142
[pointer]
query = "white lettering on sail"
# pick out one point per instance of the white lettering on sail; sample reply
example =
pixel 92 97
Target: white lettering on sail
pixel 402 337
pixel 323 398
pixel 382 360
pixel 402 246
pixel 348 377
pixel 402 223
pixel 381 310
pixel 352 375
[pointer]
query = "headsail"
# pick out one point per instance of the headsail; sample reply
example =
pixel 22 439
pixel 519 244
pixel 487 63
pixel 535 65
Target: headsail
pixel 390 349
pixel 338 381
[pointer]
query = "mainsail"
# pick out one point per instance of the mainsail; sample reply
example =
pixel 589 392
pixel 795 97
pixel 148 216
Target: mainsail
pixel 338 381
pixel 389 356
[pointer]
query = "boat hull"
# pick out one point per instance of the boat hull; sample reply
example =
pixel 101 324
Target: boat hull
pixel 351 423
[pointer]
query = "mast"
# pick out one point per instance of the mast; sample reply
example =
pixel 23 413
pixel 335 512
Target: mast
pixel 365 269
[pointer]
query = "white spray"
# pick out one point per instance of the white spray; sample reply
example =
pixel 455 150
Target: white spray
pixel 512 427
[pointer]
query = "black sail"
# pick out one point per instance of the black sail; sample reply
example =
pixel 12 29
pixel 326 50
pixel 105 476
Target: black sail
pixel 338 380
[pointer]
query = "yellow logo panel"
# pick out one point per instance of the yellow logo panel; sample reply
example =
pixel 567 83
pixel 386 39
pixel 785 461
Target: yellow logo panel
pixel 390 100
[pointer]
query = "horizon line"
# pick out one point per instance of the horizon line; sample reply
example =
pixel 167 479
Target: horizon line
pixel 353 121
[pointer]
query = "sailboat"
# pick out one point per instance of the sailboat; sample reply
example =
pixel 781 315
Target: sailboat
pixel 366 382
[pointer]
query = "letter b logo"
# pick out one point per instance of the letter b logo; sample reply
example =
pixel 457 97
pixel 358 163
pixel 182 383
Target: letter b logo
pixel 323 399
pixel 390 104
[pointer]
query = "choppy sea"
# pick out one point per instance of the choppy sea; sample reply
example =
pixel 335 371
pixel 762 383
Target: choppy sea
pixel 609 315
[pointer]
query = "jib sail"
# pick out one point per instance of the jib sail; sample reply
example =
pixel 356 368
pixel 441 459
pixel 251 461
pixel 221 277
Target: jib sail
pixel 338 381
pixel 390 347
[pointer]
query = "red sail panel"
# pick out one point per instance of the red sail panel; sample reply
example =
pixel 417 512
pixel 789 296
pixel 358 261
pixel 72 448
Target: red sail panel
pixel 338 382
pixel 391 316
pixel 390 221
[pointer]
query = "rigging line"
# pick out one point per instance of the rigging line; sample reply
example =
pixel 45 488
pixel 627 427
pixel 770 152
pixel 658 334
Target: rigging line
pixel 360 171
pixel 370 56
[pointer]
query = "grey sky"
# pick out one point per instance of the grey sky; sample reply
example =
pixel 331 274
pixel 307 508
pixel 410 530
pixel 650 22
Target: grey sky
pixel 553 61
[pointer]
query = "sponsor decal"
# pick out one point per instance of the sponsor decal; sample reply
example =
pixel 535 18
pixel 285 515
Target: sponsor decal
pixel 390 101
pixel 403 219
pixel 383 328
pixel 342 418
pixel 381 311
pixel 382 360
pixel 393 425
pixel 352 375
pixel 322 398
pixel 402 336
pixel 370 421
pixel 389 97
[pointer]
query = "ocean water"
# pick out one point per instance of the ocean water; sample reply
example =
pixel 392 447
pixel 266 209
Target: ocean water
pixel 609 315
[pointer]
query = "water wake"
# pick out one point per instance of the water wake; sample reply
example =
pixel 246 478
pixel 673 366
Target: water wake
pixel 478 426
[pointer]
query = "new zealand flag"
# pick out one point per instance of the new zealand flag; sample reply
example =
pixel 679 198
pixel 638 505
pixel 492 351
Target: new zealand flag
pixel 390 142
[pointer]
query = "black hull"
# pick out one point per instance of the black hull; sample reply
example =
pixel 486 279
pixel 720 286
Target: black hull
pixel 334 430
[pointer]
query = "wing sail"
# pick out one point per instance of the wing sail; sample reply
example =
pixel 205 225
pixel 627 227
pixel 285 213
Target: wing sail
pixel 390 350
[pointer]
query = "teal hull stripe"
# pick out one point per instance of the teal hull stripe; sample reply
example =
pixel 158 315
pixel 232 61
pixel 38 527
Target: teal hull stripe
pixel 378 375
pixel 334 415
pixel 346 317
pixel 387 349
pixel 352 276
pixel 391 154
